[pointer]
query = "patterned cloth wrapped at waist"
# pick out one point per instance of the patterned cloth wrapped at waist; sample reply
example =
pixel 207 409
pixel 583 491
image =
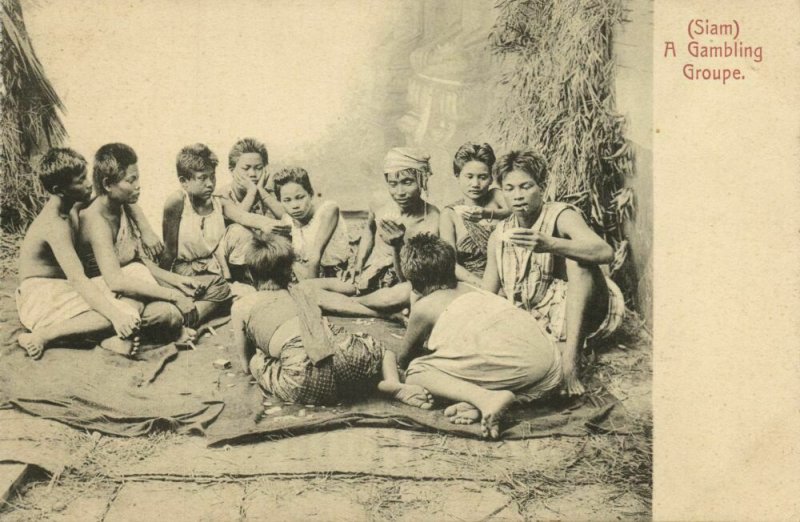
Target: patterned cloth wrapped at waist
pixel 352 372
pixel 472 248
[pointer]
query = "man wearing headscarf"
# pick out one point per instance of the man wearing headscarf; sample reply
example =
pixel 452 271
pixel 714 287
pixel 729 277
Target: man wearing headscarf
pixel 376 265
pixel 374 274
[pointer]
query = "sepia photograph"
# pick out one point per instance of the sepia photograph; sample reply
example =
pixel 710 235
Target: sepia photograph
pixel 326 260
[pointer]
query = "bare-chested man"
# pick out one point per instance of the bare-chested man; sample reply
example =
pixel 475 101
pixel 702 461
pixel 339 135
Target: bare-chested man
pixel 55 299
pixel 376 270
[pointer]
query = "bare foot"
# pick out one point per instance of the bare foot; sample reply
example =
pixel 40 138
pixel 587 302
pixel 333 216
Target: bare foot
pixel 571 385
pixel 400 318
pixel 492 411
pixel 125 347
pixel 187 336
pixel 414 395
pixel 32 343
pixel 462 413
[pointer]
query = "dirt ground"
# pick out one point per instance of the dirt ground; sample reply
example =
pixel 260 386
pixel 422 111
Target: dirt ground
pixel 354 474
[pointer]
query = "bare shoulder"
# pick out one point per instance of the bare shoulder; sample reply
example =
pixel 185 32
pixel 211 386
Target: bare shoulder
pixel 92 221
pixel 569 221
pixel 432 210
pixel 328 207
pixel 223 191
pixel 431 306
pixel 47 217
pixel 173 200
pixel 243 305
pixel 173 205
pixel 446 215
pixel 424 310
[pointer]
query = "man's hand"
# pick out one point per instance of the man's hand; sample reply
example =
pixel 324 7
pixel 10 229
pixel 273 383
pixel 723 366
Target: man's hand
pixel 263 180
pixel 152 244
pixel 391 232
pixel 184 303
pixel 126 322
pixel 269 181
pixel 269 226
pixel 244 182
pixel 190 287
pixel 351 276
pixel 526 238
pixel 471 213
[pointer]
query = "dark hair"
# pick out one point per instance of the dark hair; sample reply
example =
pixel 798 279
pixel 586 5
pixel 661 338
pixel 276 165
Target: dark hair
pixel 526 161
pixel 473 152
pixel 195 158
pixel 58 167
pixel 428 263
pixel 247 146
pixel 292 175
pixel 110 163
pixel 270 258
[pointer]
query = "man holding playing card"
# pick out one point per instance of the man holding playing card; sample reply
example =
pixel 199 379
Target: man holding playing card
pixel 547 260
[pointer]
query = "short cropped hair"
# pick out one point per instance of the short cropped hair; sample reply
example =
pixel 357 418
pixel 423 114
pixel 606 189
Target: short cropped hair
pixel 247 146
pixel 292 175
pixel 473 152
pixel 429 263
pixel 526 161
pixel 110 163
pixel 270 258
pixel 58 167
pixel 195 158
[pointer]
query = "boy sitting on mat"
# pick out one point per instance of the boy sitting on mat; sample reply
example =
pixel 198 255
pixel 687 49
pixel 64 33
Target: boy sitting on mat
pixel 292 352
pixel 483 352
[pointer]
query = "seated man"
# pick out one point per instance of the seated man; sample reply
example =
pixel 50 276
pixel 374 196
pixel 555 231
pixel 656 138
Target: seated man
pixel 251 190
pixel 292 352
pixel 319 236
pixel 194 229
pixel 541 247
pixel 55 299
pixel 484 353
pixel 251 187
pixel 376 269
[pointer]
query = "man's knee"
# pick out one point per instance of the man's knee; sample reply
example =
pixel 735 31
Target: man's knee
pixel 161 315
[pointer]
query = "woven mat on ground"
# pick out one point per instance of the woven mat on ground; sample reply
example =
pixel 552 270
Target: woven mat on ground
pixel 184 391
pixel 93 389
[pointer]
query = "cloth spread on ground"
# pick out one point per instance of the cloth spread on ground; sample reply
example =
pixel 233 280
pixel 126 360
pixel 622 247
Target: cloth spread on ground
pixel 192 391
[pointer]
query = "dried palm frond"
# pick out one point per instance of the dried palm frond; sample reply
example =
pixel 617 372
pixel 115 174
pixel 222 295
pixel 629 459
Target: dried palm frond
pixel 29 119
pixel 557 84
